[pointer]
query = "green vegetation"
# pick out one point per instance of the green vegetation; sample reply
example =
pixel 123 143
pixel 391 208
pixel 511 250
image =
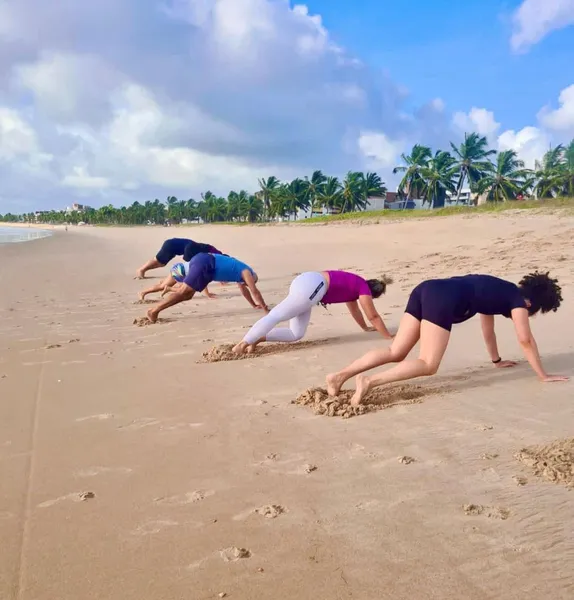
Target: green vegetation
pixel 438 179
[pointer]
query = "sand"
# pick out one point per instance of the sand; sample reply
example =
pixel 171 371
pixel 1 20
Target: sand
pixel 554 462
pixel 130 471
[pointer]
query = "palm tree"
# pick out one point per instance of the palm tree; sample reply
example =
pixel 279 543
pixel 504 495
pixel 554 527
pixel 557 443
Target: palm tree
pixel 352 192
pixel 330 195
pixel 268 187
pixel 548 173
pixel 507 180
pixel 472 160
pixel 294 196
pixel 371 186
pixel 439 177
pixel 253 208
pixel 315 186
pixel 412 184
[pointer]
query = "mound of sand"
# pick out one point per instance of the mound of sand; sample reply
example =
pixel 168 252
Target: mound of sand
pixel 224 352
pixel 319 401
pixel 554 461
pixel 144 321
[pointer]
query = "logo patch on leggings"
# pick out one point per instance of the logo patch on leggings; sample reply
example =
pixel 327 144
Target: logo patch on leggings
pixel 317 289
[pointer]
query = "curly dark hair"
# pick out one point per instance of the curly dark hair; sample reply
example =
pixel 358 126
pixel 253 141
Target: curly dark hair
pixel 379 286
pixel 543 292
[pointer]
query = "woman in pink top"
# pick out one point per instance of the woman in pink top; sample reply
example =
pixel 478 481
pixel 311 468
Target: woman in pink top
pixel 312 288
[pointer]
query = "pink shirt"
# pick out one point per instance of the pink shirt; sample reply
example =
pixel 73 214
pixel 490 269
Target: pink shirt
pixel 345 287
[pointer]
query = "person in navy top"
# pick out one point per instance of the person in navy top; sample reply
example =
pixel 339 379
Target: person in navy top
pixel 172 248
pixel 434 306
pixel 205 268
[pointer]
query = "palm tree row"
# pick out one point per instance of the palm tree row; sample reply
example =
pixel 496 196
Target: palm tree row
pixel 435 178
pixel 274 200
pixel 494 176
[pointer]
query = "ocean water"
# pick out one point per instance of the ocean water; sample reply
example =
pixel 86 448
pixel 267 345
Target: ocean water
pixel 21 234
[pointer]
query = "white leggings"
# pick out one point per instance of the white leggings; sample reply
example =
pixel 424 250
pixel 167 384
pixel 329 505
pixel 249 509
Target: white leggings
pixel 306 291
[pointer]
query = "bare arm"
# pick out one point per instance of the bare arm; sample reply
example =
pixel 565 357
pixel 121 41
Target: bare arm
pixel 183 293
pixel 529 347
pixel 366 303
pixel 357 315
pixel 251 284
pixel 247 294
pixel 487 325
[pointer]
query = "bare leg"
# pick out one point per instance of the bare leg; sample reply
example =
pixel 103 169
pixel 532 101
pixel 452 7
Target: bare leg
pixel 158 287
pixel 434 341
pixel 150 264
pixel 405 340
pixel 208 293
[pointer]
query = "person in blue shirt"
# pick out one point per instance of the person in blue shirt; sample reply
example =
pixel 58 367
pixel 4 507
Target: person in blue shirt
pixel 435 306
pixel 202 270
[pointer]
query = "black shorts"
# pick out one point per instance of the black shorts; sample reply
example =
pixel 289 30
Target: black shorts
pixel 170 249
pixel 194 248
pixel 201 272
pixel 439 301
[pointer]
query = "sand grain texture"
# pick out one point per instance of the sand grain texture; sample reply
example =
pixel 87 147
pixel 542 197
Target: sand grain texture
pixel 178 455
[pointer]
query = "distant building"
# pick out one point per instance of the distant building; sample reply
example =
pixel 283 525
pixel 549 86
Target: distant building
pixel 77 208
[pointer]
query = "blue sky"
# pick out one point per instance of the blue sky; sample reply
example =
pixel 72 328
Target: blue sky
pixel 458 51
pixel 112 101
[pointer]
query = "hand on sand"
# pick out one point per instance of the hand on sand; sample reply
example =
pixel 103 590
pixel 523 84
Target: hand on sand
pixel 554 378
pixel 244 348
pixel 505 364
pixel 152 315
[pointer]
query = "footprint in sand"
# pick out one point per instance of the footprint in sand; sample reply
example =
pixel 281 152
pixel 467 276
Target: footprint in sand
pixel 187 498
pixel 271 511
pixel 101 417
pixel 94 471
pixel 152 527
pixel 74 497
pixel 519 480
pixel 492 512
pixel 406 460
pixel 144 321
pixel 233 554
pixel 488 456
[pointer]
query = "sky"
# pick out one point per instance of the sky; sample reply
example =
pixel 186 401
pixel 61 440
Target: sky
pixel 113 101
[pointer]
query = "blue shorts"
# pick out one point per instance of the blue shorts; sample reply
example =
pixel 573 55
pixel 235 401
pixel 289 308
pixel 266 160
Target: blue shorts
pixel 201 271
pixel 170 249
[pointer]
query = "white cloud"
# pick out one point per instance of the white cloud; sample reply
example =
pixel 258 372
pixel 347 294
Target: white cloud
pixel 80 179
pixel 477 120
pixel 66 86
pixel 561 119
pixel 530 143
pixel 380 151
pixel 17 138
pixel 535 19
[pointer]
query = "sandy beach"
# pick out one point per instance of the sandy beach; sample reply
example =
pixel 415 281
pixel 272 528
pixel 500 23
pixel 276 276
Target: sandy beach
pixel 131 470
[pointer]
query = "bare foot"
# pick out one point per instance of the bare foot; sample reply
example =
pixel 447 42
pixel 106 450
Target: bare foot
pixel 210 295
pixel 334 384
pixel 142 296
pixel 140 275
pixel 240 348
pixel 362 384
pixel 152 315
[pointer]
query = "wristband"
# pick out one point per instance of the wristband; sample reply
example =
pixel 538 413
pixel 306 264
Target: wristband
pixel 495 362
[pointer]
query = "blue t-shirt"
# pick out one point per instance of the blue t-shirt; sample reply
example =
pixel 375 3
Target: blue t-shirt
pixel 228 268
pixel 486 295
